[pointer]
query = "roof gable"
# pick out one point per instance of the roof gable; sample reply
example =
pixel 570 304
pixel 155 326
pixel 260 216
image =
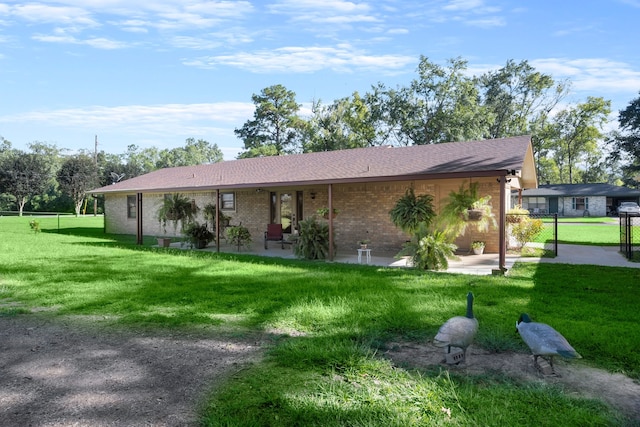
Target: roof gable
pixel 354 165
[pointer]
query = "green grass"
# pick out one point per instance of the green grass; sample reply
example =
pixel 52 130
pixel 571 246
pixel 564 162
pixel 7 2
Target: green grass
pixel 599 231
pixel 328 371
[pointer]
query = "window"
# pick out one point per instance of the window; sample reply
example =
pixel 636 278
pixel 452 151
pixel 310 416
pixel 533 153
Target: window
pixel 580 203
pixel 131 207
pixel 228 201
pixel 537 204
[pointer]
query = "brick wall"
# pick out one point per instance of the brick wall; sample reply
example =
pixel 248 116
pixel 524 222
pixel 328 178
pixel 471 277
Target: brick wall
pixel 363 211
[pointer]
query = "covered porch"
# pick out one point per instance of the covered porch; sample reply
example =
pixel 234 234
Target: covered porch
pixel 465 263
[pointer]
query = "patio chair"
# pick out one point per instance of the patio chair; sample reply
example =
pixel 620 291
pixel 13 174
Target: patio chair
pixel 273 234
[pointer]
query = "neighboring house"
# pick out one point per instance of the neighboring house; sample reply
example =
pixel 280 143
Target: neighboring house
pixel 576 199
pixel 362 184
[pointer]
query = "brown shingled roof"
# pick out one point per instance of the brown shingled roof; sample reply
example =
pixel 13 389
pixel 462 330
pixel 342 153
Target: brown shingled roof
pixel 471 158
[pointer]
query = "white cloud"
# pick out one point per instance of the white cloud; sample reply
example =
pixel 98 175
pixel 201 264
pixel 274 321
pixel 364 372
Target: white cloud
pixel 137 115
pixel 457 5
pixel 40 13
pixel 306 59
pixel 592 74
pixel 333 6
pixel 95 42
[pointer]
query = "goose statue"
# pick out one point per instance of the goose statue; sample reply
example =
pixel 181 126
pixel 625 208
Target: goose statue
pixel 544 341
pixel 458 331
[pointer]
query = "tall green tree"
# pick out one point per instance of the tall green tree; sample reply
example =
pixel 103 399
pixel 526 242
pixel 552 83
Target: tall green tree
pixel 194 152
pixel 625 143
pixel 440 105
pixel 517 95
pixel 276 127
pixel 576 133
pixel 23 175
pixel 346 123
pixel 77 175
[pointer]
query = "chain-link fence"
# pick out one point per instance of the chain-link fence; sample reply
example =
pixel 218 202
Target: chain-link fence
pixel 630 236
pixel 532 234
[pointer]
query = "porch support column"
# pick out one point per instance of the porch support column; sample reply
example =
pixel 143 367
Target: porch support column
pixel 330 192
pixel 139 236
pixel 502 234
pixel 217 220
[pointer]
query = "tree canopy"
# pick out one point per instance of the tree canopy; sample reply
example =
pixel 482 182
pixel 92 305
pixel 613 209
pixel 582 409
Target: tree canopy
pixel 275 128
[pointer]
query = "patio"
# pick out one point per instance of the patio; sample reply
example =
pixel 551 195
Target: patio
pixel 465 263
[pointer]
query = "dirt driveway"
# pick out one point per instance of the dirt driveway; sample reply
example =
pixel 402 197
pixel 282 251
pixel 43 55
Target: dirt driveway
pixel 55 373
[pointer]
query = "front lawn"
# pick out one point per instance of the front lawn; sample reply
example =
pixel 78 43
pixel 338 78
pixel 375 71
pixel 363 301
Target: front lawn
pixel 328 324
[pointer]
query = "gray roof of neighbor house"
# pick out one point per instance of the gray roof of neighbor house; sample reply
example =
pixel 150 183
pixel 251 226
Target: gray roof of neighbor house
pixel 463 159
pixel 582 190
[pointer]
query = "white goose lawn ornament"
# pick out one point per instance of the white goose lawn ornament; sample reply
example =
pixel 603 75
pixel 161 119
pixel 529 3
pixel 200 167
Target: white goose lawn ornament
pixel 458 331
pixel 544 341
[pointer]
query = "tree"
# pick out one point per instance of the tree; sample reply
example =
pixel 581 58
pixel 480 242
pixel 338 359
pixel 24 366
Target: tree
pixel 23 175
pixel 576 132
pixel 275 128
pixel 346 123
pixel 625 143
pixel 194 152
pixel 515 96
pixel 441 105
pixel 77 175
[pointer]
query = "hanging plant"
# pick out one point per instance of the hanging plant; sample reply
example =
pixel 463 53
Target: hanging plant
pixel 176 208
pixel 466 208
pixel 411 210
pixel 324 212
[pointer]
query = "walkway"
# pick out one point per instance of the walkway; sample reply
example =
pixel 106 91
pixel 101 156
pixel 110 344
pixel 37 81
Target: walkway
pixel 466 264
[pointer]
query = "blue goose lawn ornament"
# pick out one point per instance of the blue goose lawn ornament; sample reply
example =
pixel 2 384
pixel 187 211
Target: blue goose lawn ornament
pixel 458 331
pixel 544 341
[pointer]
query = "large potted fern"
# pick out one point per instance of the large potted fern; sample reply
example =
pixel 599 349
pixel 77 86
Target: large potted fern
pixel 313 239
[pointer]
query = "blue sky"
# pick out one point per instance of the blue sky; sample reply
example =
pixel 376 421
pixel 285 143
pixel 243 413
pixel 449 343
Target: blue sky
pixel 155 72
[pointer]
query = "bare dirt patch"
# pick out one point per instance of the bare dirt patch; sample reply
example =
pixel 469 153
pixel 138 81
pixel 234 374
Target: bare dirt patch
pixel 57 373
pixel 617 390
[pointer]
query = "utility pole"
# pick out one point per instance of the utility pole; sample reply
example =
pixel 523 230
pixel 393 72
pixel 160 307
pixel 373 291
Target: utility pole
pixel 95 162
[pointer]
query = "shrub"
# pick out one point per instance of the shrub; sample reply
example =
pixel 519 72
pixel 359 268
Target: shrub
pixel 429 250
pixel 239 235
pixel 313 240
pixel 526 230
pixel 516 214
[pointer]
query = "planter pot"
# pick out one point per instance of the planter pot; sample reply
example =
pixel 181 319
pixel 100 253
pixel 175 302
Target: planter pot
pixel 474 214
pixel 363 246
pixel 164 242
pixel 478 251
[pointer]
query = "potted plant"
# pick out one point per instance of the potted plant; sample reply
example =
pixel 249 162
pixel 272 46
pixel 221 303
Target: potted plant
pixel 477 247
pixel 199 235
pixel 324 212
pixel 239 235
pixel 411 210
pixel 363 243
pixel 178 209
pixel 517 214
pixel 466 208
pixel 164 241
pixel 209 212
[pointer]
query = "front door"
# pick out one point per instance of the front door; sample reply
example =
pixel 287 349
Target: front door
pixel 553 205
pixel 286 209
